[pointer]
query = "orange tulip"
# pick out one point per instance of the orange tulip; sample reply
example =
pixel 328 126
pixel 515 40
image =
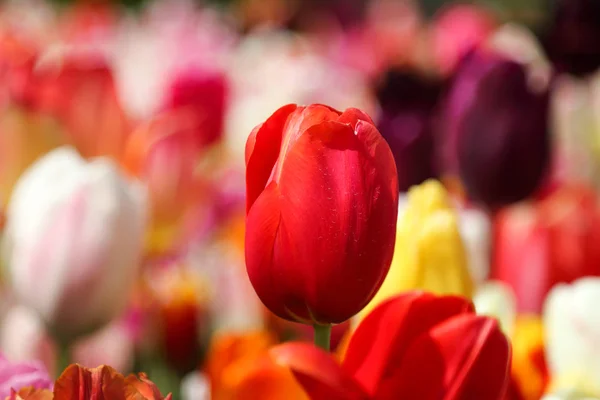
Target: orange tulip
pixel 238 367
pixel 101 383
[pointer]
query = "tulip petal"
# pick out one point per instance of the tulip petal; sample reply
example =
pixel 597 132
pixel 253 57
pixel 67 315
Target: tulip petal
pixel 317 372
pixel 79 383
pixel 262 150
pixel 353 115
pixel 467 357
pixel 381 341
pixel 330 167
pixel 262 228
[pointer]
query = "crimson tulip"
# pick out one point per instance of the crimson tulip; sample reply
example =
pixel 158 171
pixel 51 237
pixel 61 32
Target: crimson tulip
pixel 414 346
pixel 322 204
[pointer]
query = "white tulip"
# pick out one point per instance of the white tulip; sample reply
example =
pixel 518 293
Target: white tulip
pixel 572 335
pixel 73 240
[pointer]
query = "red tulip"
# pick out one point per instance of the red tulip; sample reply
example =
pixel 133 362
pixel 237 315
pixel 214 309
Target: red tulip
pixel 431 348
pixel 322 203
pixel 553 241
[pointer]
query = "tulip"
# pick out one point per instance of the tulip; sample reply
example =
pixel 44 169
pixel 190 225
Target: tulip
pixel 102 383
pixel 570 325
pixel 572 36
pixel 430 254
pixel 205 95
pixel 195 386
pixel 73 241
pixel 164 154
pixel 180 299
pixel 79 91
pixel 406 122
pixel 237 367
pixel 21 375
pixel 431 348
pixel 322 201
pixel 548 242
pixel 496 130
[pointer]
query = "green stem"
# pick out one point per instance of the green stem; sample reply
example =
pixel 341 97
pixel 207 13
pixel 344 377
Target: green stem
pixel 63 359
pixel 323 336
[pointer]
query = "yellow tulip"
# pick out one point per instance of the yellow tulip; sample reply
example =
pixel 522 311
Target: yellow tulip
pixel 429 251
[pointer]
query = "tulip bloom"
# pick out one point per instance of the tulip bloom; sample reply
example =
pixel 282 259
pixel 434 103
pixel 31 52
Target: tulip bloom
pixel 431 348
pixel 430 254
pixel 571 318
pixel 73 240
pixel 496 130
pixel 551 241
pixel 238 368
pixel 322 201
pixel 102 383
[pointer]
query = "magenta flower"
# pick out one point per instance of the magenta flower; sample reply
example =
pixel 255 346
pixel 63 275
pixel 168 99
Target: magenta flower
pixel 21 375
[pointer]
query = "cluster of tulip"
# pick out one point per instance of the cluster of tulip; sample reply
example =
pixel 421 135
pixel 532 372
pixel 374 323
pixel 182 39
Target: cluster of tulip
pixel 435 240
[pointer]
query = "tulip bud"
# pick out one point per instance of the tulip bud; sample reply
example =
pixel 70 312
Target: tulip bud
pixel 407 103
pixel 73 241
pixel 496 126
pixel 572 36
pixel 430 254
pixel 539 245
pixel 571 322
pixel 322 201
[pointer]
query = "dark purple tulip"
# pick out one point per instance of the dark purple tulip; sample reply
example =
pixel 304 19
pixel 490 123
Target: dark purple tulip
pixel 408 103
pixel 502 138
pixel 572 36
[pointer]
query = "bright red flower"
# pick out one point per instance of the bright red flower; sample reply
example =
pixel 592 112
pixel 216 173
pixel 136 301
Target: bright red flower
pixel 322 203
pixel 414 346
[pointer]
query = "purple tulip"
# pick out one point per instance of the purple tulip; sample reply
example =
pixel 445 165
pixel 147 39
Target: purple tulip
pixel 497 130
pixel 572 36
pixel 407 104
pixel 21 375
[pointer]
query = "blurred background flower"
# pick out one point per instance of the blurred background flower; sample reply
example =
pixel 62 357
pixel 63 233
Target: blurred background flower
pixel 491 112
